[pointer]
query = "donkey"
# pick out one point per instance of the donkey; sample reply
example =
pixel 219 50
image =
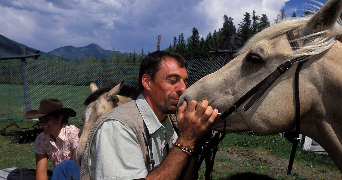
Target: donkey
pixel 100 101
pixel 310 44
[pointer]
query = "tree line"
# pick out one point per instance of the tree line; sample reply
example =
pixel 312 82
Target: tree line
pixel 196 47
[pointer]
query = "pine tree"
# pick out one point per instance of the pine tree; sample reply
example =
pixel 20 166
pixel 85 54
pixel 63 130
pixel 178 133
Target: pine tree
pixel 255 23
pixel 181 49
pixel 226 32
pixel 281 16
pixel 193 42
pixel 264 22
pixel 174 43
pixel 245 31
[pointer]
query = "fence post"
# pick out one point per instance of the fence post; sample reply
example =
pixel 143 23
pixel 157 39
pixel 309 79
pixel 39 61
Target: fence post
pixel 25 79
pixel 158 46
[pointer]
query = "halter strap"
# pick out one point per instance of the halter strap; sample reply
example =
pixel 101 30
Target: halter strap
pixel 258 90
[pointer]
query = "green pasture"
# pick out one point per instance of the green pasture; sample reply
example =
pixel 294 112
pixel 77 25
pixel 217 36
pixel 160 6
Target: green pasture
pixel 13 105
pixel 308 165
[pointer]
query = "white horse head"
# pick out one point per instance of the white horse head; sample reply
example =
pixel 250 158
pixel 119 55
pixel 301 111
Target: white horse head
pixel 320 81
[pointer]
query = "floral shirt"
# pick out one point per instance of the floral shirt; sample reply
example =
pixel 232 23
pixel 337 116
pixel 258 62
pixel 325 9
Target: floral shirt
pixel 61 150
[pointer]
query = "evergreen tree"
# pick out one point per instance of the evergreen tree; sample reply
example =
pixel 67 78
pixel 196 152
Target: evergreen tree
pixel 307 13
pixel 255 23
pixel 193 42
pixel 281 16
pixel 226 32
pixel 174 43
pixel 264 22
pixel 216 38
pixel 245 31
pixel 181 49
pixel 209 43
pixel 142 55
pixel 294 15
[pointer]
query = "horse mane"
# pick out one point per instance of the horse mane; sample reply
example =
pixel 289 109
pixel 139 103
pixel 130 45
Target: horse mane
pixel 128 91
pixel 312 44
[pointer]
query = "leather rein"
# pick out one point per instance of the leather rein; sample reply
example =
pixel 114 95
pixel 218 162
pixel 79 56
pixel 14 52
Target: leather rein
pixel 257 91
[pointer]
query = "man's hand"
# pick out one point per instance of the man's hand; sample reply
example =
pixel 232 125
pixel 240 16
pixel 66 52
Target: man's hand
pixel 194 124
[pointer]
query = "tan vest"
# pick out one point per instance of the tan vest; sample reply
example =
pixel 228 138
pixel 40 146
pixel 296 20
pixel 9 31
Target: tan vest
pixel 129 115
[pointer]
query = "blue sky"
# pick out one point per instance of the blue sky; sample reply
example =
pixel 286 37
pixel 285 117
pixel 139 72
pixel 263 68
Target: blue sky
pixel 126 25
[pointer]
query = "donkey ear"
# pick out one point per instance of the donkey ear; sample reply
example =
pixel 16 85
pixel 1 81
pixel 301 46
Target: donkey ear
pixel 325 18
pixel 93 87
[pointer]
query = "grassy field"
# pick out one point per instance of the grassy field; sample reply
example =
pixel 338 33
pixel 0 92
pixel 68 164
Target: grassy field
pixel 240 156
pixel 250 156
pixel 13 106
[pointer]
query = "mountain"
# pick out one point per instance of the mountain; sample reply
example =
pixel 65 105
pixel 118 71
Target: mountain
pixel 71 52
pixel 9 47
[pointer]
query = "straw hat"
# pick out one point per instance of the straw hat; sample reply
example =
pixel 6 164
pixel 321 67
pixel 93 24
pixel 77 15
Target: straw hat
pixel 48 106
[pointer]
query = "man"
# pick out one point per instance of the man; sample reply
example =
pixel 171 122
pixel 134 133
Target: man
pixel 132 140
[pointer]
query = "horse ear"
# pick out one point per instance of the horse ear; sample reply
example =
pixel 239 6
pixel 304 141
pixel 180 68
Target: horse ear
pixel 115 90
pixel 93 87
pixel 325 18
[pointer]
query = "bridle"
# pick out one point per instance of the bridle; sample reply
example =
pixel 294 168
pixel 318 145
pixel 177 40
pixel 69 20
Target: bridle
pixel 261 87
pixel 257 91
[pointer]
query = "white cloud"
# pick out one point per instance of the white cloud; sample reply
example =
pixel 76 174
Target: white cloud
pixel 125 24
pixel 215 9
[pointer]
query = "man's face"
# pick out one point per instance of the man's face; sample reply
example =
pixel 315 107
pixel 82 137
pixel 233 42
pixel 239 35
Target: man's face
pixel 169 84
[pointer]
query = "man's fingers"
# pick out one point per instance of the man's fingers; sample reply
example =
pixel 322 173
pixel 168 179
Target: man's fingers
pixel 181 110
pixel 202 108
pixel 212 117
pixel 192 105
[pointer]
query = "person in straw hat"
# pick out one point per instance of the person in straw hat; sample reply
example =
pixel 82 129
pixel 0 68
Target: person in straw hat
pixel 59 140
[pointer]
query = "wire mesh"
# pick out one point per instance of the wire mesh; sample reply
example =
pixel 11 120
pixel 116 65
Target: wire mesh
pixel 69 81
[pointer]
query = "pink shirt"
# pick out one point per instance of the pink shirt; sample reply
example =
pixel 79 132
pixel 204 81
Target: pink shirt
pixel 61 150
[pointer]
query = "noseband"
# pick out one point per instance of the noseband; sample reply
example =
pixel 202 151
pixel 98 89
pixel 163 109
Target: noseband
pixel 257 91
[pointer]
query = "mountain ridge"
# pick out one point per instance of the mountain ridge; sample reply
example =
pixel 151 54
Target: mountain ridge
pixel 9 47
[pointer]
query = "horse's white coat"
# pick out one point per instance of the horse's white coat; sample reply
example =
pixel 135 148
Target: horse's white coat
pixel 320 82
pixel 87 114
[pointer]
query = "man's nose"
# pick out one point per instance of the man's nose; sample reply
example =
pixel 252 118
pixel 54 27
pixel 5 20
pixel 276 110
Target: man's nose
pixel 181 87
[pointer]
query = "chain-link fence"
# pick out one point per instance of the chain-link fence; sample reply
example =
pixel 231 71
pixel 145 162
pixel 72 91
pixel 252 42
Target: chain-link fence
pixel 69 82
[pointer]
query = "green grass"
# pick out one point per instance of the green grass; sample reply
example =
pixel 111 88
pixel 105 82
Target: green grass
pixel 17 155
pixel 277 146
pixel 256 151
pixel 225 167
pixel 13 106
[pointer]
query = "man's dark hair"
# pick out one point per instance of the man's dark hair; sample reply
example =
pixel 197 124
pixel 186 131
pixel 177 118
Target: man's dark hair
pixel 150 65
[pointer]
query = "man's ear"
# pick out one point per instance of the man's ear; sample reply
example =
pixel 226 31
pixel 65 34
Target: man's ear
pixel 145 80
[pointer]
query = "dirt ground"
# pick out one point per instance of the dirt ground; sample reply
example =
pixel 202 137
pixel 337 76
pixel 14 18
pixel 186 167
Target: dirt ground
pixel 277 166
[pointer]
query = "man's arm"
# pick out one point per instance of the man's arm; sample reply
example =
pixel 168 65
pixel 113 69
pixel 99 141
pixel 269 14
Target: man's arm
pixel 192 126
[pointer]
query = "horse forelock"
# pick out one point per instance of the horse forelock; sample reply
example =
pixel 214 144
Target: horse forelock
pixel 125 90
pixel 313 44
pixel 92 97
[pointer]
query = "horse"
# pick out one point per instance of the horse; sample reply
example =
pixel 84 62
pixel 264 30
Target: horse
pixel 309 48
pixel 100 101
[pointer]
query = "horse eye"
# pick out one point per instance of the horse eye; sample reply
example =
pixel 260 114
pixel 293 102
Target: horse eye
pixel 255 59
